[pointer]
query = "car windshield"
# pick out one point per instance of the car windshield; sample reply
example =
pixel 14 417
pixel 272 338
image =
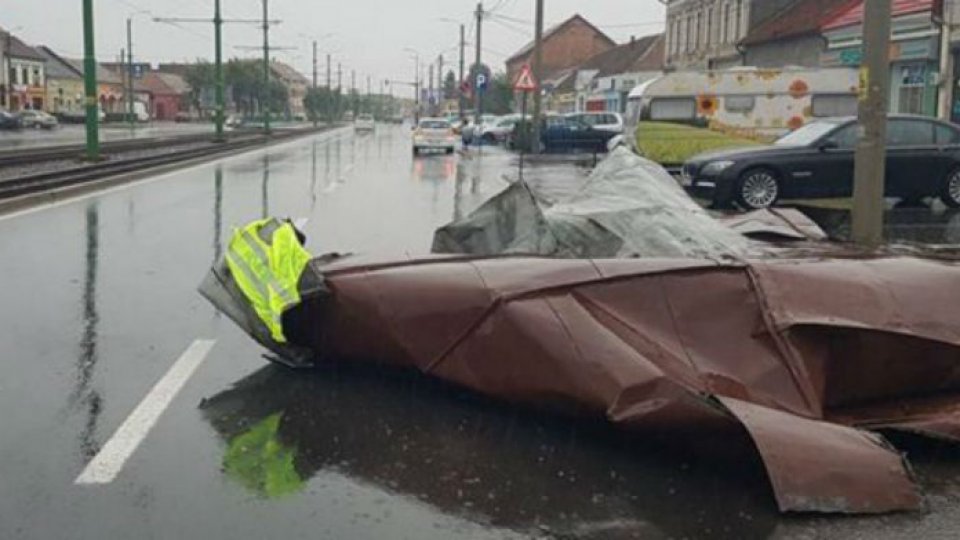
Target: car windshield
pixel 434 124
pixel 808 134
pixel 365 117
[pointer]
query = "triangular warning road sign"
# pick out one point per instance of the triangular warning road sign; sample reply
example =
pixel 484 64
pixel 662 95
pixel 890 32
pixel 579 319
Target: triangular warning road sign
pixel 525 82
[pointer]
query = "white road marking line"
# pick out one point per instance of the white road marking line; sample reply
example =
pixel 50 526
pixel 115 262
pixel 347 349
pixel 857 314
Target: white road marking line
pixel 106 465
pixel 71 199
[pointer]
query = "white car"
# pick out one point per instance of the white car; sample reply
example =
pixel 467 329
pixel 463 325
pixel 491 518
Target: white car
pixel 434 134
pixel 499 130
pixel 604 121
pixel 470 133
pixel 365 122
pixel 38 119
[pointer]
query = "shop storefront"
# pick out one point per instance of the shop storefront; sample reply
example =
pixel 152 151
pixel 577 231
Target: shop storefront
pixel 914 54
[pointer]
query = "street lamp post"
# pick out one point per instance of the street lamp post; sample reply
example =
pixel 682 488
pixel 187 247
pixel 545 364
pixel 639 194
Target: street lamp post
pixel 416 84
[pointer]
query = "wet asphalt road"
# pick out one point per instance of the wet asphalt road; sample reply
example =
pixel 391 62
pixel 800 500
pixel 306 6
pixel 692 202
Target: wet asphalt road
pixel 100 302
pixel 75 134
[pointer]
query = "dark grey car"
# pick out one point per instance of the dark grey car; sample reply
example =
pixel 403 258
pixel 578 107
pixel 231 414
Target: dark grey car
pixel 816 161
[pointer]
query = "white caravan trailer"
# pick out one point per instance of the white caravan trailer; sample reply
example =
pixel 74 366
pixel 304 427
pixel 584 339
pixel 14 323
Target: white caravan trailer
pixel 751 102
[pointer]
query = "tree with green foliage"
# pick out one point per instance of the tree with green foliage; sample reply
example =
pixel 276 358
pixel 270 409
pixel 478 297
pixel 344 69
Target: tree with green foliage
pixel 450 90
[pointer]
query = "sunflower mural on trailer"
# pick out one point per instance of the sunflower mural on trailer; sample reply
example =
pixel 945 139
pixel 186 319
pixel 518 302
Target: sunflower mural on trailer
pixel 707 105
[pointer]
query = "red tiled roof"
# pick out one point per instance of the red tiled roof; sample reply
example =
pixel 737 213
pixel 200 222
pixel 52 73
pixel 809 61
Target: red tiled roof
pixel 800 18
pixel 550 32
pixel 854 13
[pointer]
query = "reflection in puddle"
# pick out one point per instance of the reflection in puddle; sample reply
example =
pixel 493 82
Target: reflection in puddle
pixel 415 438
pixel 923 225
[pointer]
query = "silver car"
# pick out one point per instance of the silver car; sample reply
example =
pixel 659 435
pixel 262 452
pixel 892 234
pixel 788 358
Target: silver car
pixel 38 119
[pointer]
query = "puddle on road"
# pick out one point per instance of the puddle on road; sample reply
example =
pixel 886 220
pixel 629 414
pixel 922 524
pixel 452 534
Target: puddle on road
pixel 920 225
pixel 468 457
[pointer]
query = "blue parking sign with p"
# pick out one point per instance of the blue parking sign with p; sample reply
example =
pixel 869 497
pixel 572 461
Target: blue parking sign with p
pixel 481 82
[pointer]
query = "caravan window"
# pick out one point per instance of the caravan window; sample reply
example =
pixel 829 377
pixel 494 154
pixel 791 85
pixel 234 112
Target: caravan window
pixel 825 106
pixel 673 109
pixel 739 104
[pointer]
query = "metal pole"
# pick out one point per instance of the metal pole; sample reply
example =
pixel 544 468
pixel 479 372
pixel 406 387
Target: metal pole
pixel 329 94
pixel 463 44
pixel 441 95
pixel 8 88
pixel 945 95
pixel 523 120
pixel 130 117
pixel 218 66
pixel 538 75
pixel 315 120
pixel 266 69
pixel 416 89
pixel 870 161
pixel 90 83
pixel 477 102
pixel 430 95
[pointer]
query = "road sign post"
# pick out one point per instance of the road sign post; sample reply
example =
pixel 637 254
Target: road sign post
pixel 526 84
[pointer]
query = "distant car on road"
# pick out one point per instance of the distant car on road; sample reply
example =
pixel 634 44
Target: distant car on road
pixel 9 120
pixel 470 132
pixel 365 122
pixel 38 119
pixel 606 121
pixel 816 161
pixel 565 134
pixel 498 131
pixel 434 134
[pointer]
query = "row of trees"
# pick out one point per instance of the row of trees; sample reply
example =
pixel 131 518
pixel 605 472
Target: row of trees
pixel 244 81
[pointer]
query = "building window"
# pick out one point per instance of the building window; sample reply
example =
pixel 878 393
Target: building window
pixel 739 104
pixel 913 83
pixel 708 40
pixel 673 109
pixel 738 20
pixel 696 45
pixel 826 106
pixel 725 25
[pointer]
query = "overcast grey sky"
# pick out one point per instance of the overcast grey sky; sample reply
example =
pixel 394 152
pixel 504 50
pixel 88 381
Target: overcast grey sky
pixel 369 35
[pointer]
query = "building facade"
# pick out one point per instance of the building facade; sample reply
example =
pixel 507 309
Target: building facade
pixel 791 37
pixel 705 34
pixel 605 81
pixel 297 86
pixel 64 84
pixel 914 51
pixel 24 68
pixel 565 46
pixel 170 95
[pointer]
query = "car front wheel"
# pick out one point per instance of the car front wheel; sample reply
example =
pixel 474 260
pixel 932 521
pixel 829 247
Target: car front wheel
pixel 757 189
pixel 950 194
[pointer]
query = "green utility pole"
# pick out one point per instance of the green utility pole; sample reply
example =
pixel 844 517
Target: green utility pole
pixel 90 83
pixel 266 70
pixel 218 63
pixel 870 159
pixel 130 117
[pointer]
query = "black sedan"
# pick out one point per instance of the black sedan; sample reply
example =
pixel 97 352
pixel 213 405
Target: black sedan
pixel 816 161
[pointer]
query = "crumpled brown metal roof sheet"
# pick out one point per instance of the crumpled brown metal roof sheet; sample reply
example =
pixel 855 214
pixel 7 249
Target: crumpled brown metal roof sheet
pixel 800 353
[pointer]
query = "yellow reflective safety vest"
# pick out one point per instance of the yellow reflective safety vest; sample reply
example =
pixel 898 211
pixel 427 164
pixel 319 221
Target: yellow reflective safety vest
pixel 267 260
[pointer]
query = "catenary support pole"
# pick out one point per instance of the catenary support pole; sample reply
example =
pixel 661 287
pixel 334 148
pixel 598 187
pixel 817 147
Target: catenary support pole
pixel 90 83
pixel 477 99
pixel 265 104
pixel 463 46
pixel 314 115
pixel 870 161
pixel 220 91
pixel 129 70
pixel 538 76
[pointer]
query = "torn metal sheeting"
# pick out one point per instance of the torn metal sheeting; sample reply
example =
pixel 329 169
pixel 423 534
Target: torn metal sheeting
pixel 628 207
pixel 803 354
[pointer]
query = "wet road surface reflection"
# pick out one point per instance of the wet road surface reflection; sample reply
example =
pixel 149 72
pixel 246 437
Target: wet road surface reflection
pixel 466 456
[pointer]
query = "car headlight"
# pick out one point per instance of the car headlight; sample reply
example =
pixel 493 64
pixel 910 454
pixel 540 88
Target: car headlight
pixel 715 167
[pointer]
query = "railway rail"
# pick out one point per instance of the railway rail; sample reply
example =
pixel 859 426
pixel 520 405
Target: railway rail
pixel 89 172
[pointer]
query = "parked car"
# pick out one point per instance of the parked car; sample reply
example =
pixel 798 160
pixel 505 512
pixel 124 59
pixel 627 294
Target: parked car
pixel 816 161
pixel 365 122
pixel 38 119
pixel 9 120
pixel 564 134
pixel 470 132
pixel 498 131
pixel 606 121
pixel 434 134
